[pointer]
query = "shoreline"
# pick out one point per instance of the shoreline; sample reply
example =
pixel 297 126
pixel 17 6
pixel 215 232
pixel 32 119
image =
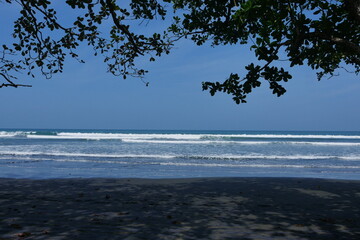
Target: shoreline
pixel 178 208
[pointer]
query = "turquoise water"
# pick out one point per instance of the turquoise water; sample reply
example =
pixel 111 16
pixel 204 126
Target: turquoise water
pixel 42 154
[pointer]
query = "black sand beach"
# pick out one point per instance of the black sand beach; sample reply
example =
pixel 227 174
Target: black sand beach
pixel 204 208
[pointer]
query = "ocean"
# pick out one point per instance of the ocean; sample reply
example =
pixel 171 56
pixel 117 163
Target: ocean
pixel 43 154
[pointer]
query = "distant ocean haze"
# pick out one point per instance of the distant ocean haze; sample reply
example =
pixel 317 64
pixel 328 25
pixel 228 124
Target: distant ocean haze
pixel 41 154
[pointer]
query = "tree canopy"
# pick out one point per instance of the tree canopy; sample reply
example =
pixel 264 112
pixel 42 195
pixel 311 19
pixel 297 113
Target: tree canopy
pixel 323 34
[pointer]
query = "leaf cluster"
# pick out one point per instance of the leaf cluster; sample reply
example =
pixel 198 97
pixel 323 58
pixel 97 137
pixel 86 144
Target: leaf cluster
pixel 322 34
pixel 42 41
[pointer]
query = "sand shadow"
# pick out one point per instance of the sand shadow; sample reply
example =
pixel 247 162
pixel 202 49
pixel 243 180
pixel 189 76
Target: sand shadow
pixel 219 208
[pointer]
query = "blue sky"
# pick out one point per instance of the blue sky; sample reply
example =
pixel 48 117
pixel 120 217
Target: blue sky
pixel 86 96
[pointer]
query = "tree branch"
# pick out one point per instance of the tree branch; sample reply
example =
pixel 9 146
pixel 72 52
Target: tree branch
pixel 52 20
pixel 10 83
pixel 336 40
pixel 14 85
pixel 121 27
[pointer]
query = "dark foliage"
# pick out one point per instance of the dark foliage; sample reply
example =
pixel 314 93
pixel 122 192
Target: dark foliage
pixel 323 34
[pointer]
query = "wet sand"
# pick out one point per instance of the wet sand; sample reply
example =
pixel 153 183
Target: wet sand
pixel 202 208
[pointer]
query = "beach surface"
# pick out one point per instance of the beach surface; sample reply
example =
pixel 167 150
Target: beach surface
pixel 200 208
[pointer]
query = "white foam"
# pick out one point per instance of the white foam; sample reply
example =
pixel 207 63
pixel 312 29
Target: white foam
pixel 274 157
pixel 285 136
pixel 196 138
pixel 239 142
pixel 257 165
pixel 191 164
pixel 328 143
pixel 350 158
pixel 116 136
pixel 140 136
pixel 193 142
pixel 59 154
pixel 170 156
pixel 4 134
pixel 130 136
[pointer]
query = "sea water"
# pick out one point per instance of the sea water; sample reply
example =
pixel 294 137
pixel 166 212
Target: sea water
pixel 41 154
